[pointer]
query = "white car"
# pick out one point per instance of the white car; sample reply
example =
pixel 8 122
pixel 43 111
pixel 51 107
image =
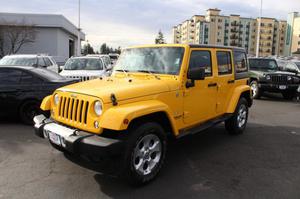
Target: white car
pixel 43 61
pixel 85 68
pixel 106 59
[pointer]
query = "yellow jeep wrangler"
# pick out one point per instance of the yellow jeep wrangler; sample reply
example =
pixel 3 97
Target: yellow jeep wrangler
pixel 155 92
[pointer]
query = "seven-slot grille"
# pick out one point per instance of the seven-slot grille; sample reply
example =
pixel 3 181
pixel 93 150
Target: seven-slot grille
pixel 72 109
pixel 279 78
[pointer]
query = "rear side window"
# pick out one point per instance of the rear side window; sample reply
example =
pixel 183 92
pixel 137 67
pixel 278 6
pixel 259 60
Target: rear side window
pixel 47 62
pixel 200 58
pixel 224 63
pixel 41 62
pixel 10 76
pixel 240 62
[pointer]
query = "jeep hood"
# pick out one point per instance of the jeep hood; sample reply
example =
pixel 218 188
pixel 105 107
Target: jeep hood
pixel 123 88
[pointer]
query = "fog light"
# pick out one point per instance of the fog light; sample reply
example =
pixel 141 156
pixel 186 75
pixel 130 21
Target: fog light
pixel 96 124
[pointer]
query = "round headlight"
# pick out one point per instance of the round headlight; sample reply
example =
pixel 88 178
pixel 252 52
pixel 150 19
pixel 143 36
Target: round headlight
pixel 56 99
pixel 98 108
pixel 268 77
pixel 289 78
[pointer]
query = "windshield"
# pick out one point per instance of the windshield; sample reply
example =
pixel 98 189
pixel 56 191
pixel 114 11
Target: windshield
pixel 83 64
pixel 263 64
pixel 18 61
pixel 161 60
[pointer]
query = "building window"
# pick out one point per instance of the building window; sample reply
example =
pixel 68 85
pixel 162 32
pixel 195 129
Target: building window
pixel 220 20
pixel 224 62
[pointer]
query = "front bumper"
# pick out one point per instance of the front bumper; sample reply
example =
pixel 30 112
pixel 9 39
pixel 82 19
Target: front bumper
pixel 77 141
pixel 271 87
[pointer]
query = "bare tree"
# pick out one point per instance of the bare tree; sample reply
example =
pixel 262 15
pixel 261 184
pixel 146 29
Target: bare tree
pixel 13 36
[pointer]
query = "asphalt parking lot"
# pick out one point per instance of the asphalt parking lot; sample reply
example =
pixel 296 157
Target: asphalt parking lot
pixel 262 163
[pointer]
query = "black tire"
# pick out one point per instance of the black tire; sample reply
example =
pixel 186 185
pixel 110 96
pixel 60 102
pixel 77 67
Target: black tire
pixel 28 110
pixel 288 95
pixel 257 93
pixel 236 125
pixel 134 141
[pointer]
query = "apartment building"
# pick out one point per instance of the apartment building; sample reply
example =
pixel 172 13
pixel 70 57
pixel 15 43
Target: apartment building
pixel 233 30
pixel 292 43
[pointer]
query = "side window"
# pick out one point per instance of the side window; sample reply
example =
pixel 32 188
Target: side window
pixel 224 62
pixel 29 78
pixel 201 58
pixel 47 62
pixel 41 62
pixel 10 76
pixel 240 62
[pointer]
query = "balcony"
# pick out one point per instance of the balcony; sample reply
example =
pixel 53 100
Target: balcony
pixel 234 37
pixel 234 23
pixel 234 30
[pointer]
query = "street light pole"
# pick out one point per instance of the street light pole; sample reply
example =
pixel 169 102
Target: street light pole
pixel 78 32
pixel 258 31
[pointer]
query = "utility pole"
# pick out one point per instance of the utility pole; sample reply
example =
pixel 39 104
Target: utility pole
pixel 258 31
pixel 78 33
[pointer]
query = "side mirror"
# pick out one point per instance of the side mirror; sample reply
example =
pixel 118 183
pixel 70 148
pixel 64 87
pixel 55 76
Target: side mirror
pixel 196 73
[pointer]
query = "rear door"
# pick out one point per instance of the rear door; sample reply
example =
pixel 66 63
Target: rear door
pixel 225 79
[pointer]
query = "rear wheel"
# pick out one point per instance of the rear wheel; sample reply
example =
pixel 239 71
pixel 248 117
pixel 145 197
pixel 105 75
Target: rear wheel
pixel 237 123
pixel 256 92
pixel 145 153
pixel 28 111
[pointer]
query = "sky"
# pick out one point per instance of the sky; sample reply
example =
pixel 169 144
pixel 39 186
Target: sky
pixel 133 22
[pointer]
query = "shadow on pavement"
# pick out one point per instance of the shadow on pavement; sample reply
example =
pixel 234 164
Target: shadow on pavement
pixel 213 164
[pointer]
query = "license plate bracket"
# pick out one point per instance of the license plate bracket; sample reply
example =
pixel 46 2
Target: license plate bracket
pixel 54 138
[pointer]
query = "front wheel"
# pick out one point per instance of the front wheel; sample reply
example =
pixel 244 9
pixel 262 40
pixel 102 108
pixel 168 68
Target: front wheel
pixel 28 111
pixel 256 92
pixel 145 153
pixel 288 95
pixel 237 123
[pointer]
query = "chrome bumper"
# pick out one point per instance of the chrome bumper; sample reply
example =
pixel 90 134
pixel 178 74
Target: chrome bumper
pixel 77 141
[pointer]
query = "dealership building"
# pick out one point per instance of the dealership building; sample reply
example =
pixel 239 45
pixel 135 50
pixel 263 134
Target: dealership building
pixel 55 35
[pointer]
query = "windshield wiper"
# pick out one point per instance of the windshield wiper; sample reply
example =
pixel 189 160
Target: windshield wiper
pixel 150 72
pixel 124 71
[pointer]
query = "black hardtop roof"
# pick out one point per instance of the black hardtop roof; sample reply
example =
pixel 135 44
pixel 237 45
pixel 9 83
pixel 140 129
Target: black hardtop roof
pixel 216 46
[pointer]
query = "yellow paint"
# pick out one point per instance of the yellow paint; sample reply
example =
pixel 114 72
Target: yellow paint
pixel 140 94
pixel 46 103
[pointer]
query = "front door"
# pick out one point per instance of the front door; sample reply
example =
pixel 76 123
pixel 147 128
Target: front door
pixel 9 90
pixel 225 79
pixel 200 99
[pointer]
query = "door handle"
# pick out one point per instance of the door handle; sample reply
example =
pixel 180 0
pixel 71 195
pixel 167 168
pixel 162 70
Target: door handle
pixel 230 81
pixel 212 84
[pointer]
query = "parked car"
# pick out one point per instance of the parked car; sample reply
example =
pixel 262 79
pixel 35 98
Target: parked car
pixel 23 88
pixel 114 57
pixel 155 92
pixel 42 61
pixel 266 76
pixel 85 68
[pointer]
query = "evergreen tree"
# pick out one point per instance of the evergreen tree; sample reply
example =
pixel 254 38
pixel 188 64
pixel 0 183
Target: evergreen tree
pixel 160 38
pixel 88 49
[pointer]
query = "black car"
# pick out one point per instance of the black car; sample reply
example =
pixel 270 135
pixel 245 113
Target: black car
pixel 22 90
pixel 266 76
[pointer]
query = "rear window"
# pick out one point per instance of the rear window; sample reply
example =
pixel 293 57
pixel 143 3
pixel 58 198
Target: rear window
pixel 240 61
pixel 224 63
